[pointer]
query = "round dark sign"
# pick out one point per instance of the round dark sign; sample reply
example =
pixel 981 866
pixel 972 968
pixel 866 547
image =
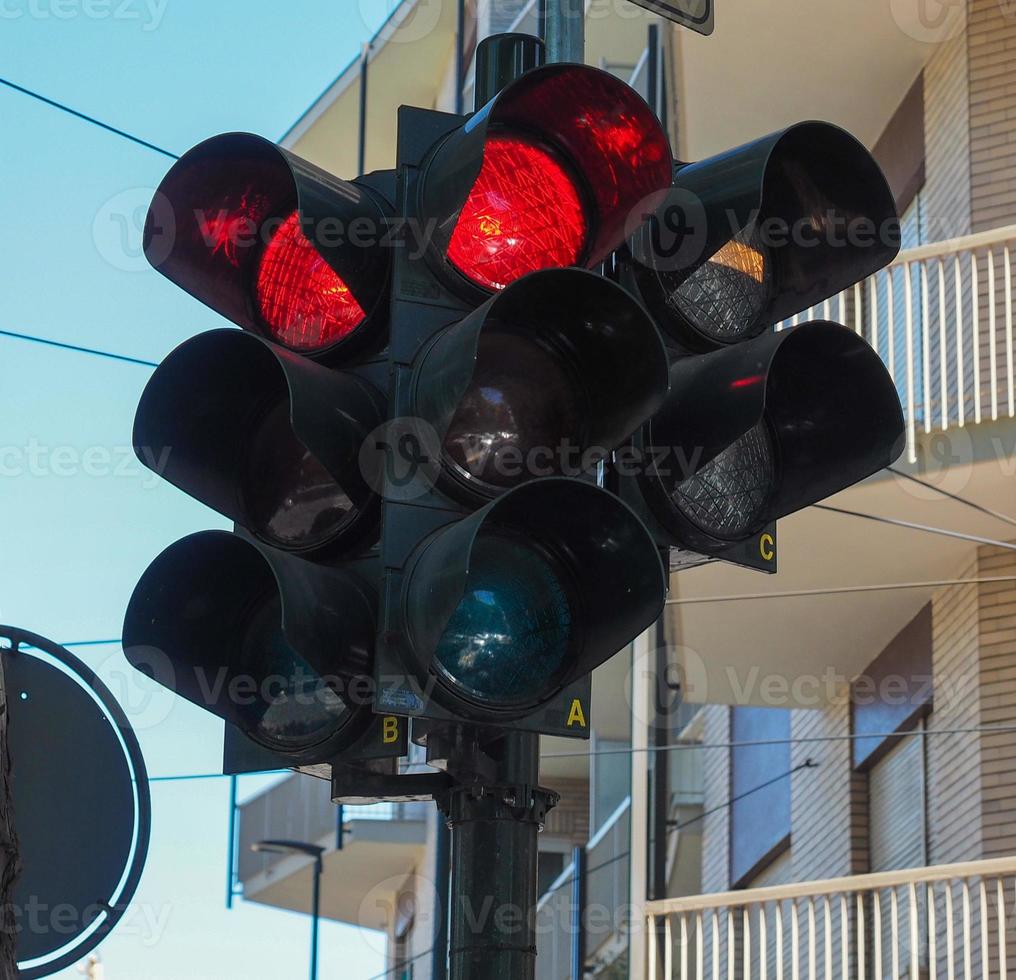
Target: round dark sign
pixel 81 803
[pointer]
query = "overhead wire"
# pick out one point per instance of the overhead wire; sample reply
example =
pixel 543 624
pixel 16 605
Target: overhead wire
pixel 803 740
pixel 86 118
pixel 954 496
pixel 911 525
pixel 841 590
pixel 77 349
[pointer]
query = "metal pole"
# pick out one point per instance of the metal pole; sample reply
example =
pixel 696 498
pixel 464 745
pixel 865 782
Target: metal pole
pixel 493 874
pixel 662 722
pixel 460 56
pixel 661 776
pixel 315 918
pixel 361 165
pixel 500 60
pixel 578 963
pixel 442 873
pixel 230 886
pixel 653 70
pixel 566 31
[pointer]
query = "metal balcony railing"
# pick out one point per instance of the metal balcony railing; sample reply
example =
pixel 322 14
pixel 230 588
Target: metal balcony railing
pixel 953 922
pixel 941 317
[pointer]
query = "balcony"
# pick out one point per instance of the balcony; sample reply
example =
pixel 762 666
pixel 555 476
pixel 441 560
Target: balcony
pixel 941 317
pixel 952 921
pixel 382 844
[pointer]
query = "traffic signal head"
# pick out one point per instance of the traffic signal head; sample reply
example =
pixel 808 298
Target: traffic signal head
pixel 544 378
pixel 755 235
pixel 545 175
pixel 269 642
pixel 498 615
pixel 283 249
pixel 498 612
pixel 755 432
pixel 265 437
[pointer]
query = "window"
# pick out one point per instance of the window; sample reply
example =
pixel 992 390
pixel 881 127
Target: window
pixel 892 696
pixel 759 790
pixel 894 692
pixel 550 864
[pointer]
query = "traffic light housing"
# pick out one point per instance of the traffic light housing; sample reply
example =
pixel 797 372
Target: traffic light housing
pixel 271 628
pixel 424 323
pixel 271 643
pixel 757 431
pixel 760 423
pixel 419 431
pixel 267 438
pixel 509 573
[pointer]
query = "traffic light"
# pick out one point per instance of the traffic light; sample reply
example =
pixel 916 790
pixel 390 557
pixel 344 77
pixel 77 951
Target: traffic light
pixel 272 628
pixel 509 573
pixel 760 423
pixel 409 430
pixel 273 644
pixel 277 245
pixel 545 175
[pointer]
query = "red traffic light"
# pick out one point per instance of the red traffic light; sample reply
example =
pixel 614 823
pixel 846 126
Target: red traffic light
pixel 274 244
pixel 547 174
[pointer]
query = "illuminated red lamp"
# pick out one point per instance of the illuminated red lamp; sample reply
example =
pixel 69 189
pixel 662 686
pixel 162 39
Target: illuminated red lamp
pixel 304 303
pixel 523 214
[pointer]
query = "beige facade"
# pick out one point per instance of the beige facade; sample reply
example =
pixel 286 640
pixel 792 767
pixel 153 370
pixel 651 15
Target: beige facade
pixel 971 788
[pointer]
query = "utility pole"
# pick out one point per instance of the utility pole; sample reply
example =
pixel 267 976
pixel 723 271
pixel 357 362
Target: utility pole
pixel 566 31
pixel 494 826
pixel 314 852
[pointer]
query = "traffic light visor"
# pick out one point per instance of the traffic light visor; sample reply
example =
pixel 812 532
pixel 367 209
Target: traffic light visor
pixel 755 235
pixel 544 379
pixel 265 437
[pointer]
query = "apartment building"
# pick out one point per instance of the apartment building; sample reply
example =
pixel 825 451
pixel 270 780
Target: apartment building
pixel 814 773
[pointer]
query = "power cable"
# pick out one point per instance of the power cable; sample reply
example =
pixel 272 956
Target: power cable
pixel 805 740
pixel 401 965
pixel 807 764
pixel 895 522
pixel 842 590
pixel 78 350
pixel 679 825
pixel 954 496
pixel 89 119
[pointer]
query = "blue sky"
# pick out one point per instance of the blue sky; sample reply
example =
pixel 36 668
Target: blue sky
pixel 80 519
